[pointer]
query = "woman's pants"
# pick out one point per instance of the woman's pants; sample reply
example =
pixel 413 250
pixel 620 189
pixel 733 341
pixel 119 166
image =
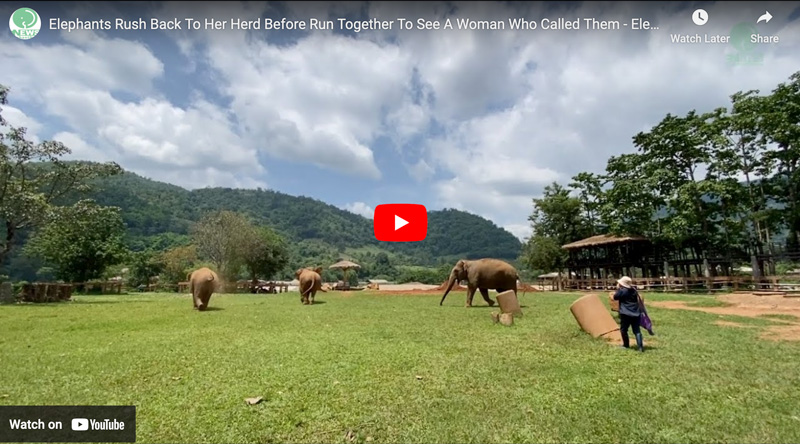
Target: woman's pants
pixel 626 321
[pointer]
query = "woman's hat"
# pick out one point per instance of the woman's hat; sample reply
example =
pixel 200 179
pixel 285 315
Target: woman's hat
pixel 625 281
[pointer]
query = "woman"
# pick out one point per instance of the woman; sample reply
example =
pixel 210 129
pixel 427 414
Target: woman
pixel 629 311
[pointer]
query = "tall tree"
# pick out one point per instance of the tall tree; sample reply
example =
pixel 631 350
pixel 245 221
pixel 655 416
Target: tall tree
pixel 631 201
pixel 558 215
pixel 557 219
pixel 674 153
pixel 738 153
pixel 144 265
pixel 780 125
pixel 178 261
pixel 32 178
pixel 264 253
pixel 220 237
pixel 590 191
pixel 80 241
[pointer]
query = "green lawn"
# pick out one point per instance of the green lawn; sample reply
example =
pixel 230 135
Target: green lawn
pixel 397 369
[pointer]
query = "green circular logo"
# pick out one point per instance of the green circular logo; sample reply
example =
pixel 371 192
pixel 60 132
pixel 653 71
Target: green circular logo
pixel 740 36
pixel 25 23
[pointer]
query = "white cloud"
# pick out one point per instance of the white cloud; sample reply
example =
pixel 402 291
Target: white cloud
pixel 17 118
pixel 84 60
pixel 521 231
pixel 192 146
pixel 319 101
pixel 80 149
pixel 513 111
pixel 361 209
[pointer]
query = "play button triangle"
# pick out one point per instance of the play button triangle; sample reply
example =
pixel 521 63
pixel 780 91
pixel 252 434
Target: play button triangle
pixel 399 222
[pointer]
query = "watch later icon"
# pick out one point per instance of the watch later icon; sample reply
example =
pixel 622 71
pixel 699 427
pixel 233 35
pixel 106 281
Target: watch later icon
pixel 700 17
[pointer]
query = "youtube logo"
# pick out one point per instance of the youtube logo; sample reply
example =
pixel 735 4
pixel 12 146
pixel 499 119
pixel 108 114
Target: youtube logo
pixel 400 222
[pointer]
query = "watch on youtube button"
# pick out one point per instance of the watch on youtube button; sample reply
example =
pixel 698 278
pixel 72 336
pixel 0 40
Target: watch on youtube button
pixel 400 222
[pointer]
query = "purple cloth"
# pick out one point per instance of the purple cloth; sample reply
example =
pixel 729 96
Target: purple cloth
pixel 644 319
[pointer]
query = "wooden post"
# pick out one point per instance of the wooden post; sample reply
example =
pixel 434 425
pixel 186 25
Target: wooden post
pixel 756 272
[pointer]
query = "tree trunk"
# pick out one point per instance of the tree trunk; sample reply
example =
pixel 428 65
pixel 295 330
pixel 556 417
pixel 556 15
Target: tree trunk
pixel 4 252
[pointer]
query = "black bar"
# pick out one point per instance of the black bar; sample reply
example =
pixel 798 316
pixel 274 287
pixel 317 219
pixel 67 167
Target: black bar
pixel 79 423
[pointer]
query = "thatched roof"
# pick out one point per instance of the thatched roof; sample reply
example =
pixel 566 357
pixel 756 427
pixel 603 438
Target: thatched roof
pixel 345 265
pixel 602 239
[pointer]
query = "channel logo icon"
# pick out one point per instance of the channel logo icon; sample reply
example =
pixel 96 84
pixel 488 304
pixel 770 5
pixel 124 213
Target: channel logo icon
pixel 80 424
pixel 400 222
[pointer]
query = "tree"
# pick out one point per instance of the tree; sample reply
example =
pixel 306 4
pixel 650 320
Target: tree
pixel 220 237
pixel 143 266
pixel 738 152
pixel 544 253
pixel 558 215
pixel 557 220
pixel 80 241
pixel 177 263
pixel 264 253
pixel 32 179
pixel 589 187
pixel 673 154
pixel 631 201
pixel 780 125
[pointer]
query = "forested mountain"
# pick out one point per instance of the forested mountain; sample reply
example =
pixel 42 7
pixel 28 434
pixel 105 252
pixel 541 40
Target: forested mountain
pixel 159 216
pixel 154 209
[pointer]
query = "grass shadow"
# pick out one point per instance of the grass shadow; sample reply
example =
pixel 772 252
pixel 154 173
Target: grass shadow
pixel 214 309
pixel 318 302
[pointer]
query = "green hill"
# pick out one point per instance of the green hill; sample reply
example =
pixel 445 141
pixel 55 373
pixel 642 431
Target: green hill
pixel 159 216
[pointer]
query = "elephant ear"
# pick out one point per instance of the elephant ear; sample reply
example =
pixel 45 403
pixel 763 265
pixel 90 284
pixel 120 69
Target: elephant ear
pixel 462 265
pixel 318 270
pixel 298 272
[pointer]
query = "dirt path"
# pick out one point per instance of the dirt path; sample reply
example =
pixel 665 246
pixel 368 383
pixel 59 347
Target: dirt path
pixel 752 306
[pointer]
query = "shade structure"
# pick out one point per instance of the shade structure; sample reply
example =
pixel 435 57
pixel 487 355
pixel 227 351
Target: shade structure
pixel 345 266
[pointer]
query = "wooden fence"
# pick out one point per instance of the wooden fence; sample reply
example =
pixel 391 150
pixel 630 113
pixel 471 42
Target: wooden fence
pixel 45 292
pixel 678 284
pixel 245 287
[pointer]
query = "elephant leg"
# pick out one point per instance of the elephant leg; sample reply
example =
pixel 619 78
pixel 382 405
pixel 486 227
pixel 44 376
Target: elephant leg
pixel 485 294
pixel 470 295
pixel 311 298
pixel 201 305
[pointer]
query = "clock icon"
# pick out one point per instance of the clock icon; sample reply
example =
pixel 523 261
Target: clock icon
pixel 700 17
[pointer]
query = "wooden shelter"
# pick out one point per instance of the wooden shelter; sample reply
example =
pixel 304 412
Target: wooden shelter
pixel 604 256
pixel 345 266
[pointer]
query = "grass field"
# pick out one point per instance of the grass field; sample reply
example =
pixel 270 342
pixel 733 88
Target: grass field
pixel 365 367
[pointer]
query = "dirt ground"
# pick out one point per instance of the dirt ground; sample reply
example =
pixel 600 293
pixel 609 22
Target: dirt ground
pixel 749 305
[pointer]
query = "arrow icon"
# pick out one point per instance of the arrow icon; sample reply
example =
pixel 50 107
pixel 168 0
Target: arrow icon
pixel 399 222
pixel 766 17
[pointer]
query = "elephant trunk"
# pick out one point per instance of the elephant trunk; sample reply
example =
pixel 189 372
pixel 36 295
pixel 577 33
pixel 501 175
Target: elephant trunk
pixel 450 284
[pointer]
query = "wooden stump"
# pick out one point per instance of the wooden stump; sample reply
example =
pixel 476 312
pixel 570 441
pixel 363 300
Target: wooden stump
pixel 592 315
pixel 509 303
pixel 495 317
pixel 507 319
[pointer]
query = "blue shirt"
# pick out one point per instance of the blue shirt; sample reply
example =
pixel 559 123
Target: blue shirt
pixel 628 301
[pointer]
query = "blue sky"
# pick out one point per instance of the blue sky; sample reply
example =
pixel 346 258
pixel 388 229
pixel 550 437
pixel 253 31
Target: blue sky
pixel 476 120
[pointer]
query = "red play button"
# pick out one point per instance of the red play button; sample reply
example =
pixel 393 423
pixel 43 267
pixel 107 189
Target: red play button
pixel 400 222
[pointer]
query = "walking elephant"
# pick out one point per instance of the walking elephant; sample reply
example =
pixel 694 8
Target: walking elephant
pixel 310 283
pixel 203 282
pixel 483 275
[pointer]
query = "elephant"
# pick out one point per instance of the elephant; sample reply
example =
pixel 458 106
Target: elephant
pixel 483 275
pixel 310 283
pixel 202 283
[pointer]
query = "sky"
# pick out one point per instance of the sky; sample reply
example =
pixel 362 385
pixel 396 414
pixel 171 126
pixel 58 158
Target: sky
pixel 479 120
